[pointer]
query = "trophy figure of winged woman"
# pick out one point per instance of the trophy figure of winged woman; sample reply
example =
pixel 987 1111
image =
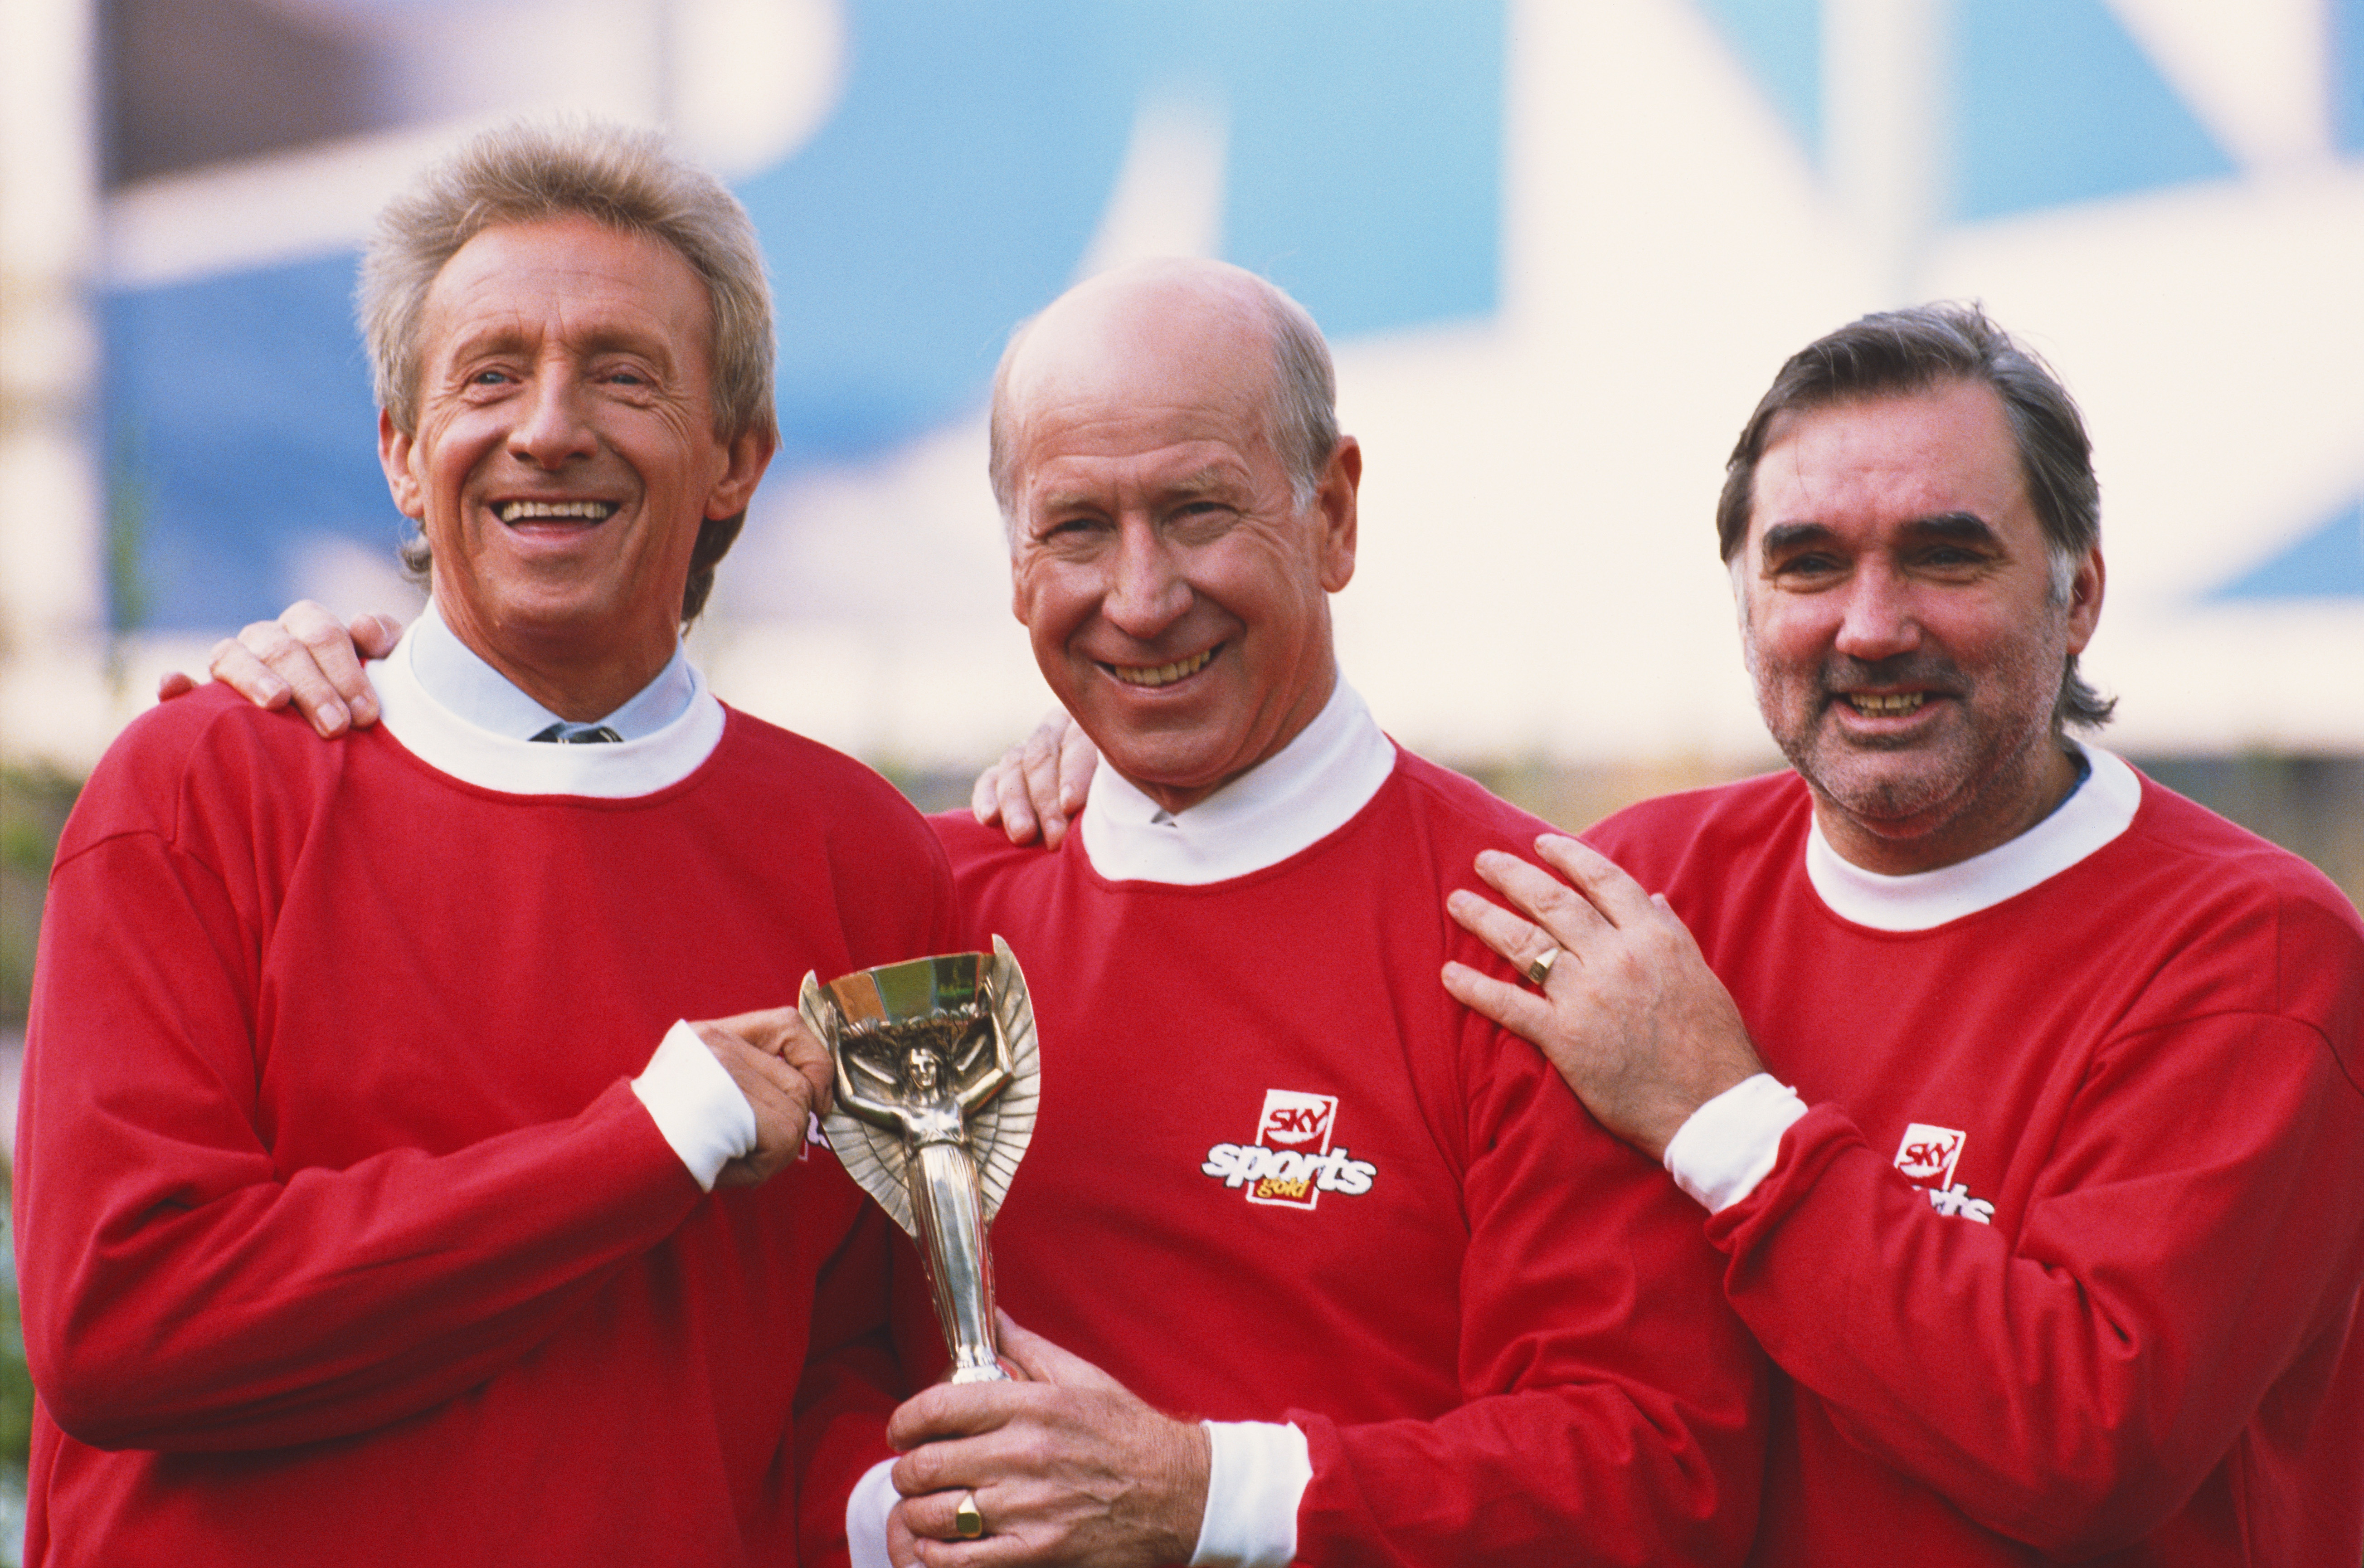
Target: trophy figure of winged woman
pixel 937 1080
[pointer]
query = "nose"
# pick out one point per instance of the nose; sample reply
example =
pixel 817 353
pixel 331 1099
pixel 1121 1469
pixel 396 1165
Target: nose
pixel 1147 590
pixel 551 429
pixel 1877 619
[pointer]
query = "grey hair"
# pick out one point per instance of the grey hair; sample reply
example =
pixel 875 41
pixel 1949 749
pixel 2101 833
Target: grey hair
pixel 1300 412
pixel 1901 351
pixel 628 180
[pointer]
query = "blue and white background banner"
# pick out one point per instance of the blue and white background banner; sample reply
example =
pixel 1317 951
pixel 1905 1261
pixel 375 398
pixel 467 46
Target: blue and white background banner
pixel 1559 246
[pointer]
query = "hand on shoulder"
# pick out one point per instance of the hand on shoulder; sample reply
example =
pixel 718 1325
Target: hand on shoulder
pixel 306 656
pixel 1040 784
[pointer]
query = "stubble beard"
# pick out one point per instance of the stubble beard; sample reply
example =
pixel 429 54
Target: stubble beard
pixel 1905 784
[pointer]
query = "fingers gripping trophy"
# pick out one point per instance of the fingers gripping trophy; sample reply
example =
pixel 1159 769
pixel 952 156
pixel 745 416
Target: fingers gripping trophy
pixel 937 1082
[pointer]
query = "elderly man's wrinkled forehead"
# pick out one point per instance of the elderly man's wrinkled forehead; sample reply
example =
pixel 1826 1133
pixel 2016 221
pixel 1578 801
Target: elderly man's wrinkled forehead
pixel 1165 335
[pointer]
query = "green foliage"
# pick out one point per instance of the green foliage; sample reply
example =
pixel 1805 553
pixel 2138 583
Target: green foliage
pixel 33 807
pixel 16 1382
pixel 15 1396
pixel 127 536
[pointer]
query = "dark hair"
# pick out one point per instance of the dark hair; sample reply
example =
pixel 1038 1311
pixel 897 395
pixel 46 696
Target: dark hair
pixel 1901 351
pixel 628 180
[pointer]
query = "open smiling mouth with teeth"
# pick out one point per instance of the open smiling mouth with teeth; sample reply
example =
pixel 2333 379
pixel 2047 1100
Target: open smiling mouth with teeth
pixel 1884 704
pixel 533 511
pixel 1162 674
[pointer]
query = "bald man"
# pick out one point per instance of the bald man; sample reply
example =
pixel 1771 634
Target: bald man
pixel 1358 1281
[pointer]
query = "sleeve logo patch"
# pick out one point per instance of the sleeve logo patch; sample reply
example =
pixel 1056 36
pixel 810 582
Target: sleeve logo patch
pixel 1291 1162
pixel 1927 1157
pixel 1929 1153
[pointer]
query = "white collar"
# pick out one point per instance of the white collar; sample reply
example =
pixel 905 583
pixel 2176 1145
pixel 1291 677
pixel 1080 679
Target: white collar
pixel 2096 811
pixel 463 680
pixel 430 723
pixel 1301 794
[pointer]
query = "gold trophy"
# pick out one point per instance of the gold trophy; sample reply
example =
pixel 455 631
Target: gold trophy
pixel 937 1082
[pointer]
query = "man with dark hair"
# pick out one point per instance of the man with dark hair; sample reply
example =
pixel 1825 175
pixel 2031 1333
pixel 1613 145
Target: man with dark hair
pixel 1912 351
pixel 368 1210
pixel 2021 1094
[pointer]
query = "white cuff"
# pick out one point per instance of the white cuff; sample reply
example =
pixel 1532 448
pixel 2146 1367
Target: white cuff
pixel 1254 1480
pixel 1730 1144
pixel 866 1507
pixel 696 1104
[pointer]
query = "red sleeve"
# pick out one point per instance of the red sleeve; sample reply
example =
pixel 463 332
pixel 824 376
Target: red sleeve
pixel 853 1381
pixel 2071 1386
pixel 1614 1409
pixel 180 1293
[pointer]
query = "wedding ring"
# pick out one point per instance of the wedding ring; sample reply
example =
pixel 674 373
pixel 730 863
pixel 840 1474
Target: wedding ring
pixel 967 1520
pixel 1539 968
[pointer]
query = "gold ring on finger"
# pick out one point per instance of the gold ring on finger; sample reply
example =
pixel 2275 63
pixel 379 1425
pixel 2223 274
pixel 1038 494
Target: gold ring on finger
pixel 1539 968
pixel 966 1522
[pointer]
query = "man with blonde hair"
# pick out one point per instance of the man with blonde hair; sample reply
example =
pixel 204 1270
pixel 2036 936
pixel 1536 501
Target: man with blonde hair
pixel 373 1204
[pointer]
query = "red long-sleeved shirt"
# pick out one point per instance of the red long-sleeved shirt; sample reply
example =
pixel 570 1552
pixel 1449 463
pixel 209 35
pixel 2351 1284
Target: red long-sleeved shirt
pixel 342 1237
pixel 2125 1330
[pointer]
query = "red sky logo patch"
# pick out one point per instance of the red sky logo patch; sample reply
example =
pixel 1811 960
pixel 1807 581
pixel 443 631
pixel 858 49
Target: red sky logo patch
pixel 1929 1153
pixel 1292 1161
pixel 1927 1157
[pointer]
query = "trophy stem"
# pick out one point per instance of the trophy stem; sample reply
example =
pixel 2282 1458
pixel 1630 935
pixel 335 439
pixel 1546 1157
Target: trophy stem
pixel 951 1216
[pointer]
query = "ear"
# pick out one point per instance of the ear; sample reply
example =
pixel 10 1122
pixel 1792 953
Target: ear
pixel 1010 527
pixel 1342 479
pixel 394 451
pixel 1737 570
pixel 2085 600
pixel 748 453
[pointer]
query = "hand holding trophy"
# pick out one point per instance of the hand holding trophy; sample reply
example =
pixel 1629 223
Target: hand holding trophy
pixel 937 1082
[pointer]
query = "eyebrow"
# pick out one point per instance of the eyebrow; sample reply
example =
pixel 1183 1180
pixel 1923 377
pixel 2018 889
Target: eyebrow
pixel 1967 527
pixel 1207 476
pixel 1207 479
pixel 507 337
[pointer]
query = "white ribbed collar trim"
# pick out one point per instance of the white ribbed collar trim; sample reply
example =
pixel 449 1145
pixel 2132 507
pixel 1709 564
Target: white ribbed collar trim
pixel 2099 810
pixel 1301 794
pixel 441 738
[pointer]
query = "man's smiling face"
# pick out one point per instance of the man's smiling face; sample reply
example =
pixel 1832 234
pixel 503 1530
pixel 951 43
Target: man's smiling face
pixel 1902 627
pixel 1175 592
pixel 565 454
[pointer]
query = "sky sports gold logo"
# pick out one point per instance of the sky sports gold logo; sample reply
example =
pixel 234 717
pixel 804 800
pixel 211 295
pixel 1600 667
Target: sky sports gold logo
pixel 1291 1163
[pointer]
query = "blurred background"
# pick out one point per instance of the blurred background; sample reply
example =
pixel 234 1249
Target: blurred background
pixel 1560 246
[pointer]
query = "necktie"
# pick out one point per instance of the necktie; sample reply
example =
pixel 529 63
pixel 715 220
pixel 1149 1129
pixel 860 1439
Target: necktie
pixel 563 734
